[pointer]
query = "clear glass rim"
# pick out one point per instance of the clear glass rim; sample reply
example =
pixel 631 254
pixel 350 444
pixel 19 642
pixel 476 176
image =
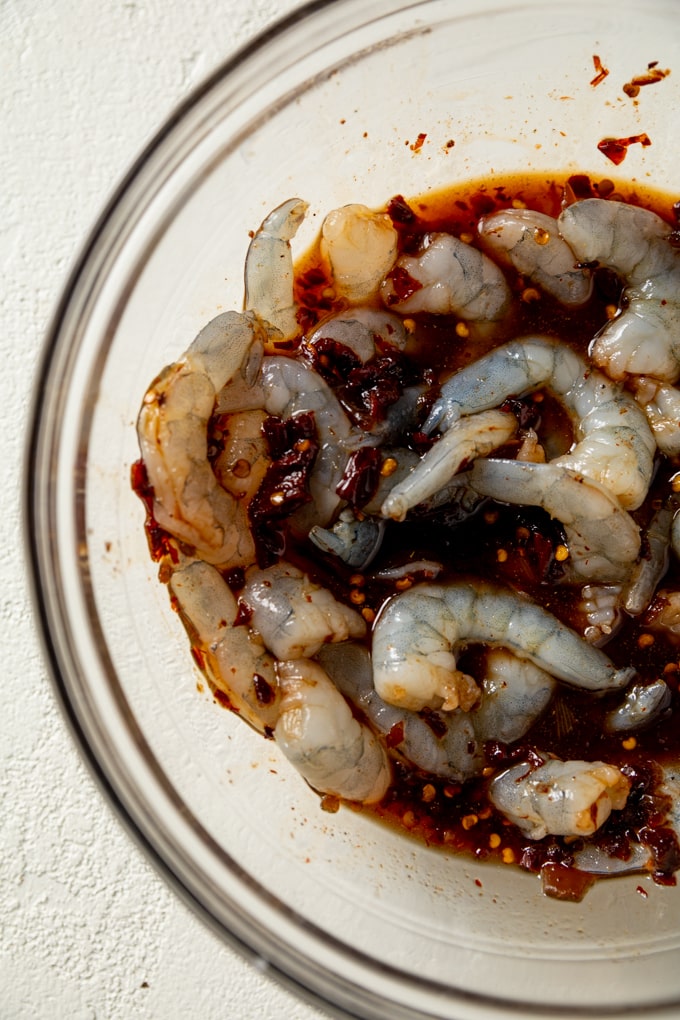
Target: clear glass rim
pixel 313 982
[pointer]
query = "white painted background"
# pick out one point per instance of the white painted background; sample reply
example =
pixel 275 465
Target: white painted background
pixel 88 930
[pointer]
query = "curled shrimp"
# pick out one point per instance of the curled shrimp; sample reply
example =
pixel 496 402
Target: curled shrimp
pixel 234 659
pixel 530 242
pixel 561 798
pixel 361 247
pixel 614 443
pixel 602 538
pixel 269 268
pixel 514 693
pixel 447 277
pixel 644 339
pixel 318 734
pixel 172 429
pixel 293 616
pixel 417 634
pixel 469 438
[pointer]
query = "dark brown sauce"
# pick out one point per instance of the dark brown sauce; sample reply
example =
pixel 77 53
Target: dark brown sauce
pixel 513 546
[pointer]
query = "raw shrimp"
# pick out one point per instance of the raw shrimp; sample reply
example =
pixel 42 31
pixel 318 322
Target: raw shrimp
pixel 234 659
pixel 318 734
pixel 361 247
pixel 188 501
pixel 563 798
pixel 448 277
pixel 603 539
pixel 514 694
pixel 530 242
pixel 417 634
pixel 293 616
pixel 644 339
pixel 269 269
pixel 471 437
pixel 172 429
pixel 614 443
pixel 283 387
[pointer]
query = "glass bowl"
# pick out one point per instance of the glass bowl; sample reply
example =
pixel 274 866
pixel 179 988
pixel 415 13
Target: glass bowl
pixel 327 106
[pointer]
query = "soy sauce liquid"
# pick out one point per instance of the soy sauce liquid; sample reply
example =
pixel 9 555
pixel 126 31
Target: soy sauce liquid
pixel 516 546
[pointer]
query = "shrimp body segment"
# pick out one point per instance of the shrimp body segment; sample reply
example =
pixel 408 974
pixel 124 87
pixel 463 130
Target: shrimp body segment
pixel 269 268
pixel 644 339
pixel 418 633
pixel 530 242
pixel 318 734
pixel 514 694
pixel 234 659
pixel 361 247
pixel 172 429
pixel 563 798
pixel 449 277
pixel 295 617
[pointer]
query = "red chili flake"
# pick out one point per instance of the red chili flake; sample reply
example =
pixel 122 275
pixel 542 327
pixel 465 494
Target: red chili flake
pixel 198 657
pixel 400 212
pixel 438 726
pixel 616 149
pixel 602 71
pixel 361 476
pixel 264 692
pixel 653 75
pixel 418 144
pixel 404 285
pixel 395 735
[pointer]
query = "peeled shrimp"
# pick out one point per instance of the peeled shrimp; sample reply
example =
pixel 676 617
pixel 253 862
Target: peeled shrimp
pixel 614 443
pixel 293 616
pixel 172 430
pixel 449 277
pixel 361 247
pixel 417 634
pixel 644 339
pixel 530 242
pixel 318 734
pixel 234 659
pixel 563 798
pixel 603 539
pixel 471 437
pixel 269 268
pixel 514 694
pixel 282 387
pixel 601 606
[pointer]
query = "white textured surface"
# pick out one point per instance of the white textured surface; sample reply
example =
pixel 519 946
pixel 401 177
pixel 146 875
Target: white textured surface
pixel 89 930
